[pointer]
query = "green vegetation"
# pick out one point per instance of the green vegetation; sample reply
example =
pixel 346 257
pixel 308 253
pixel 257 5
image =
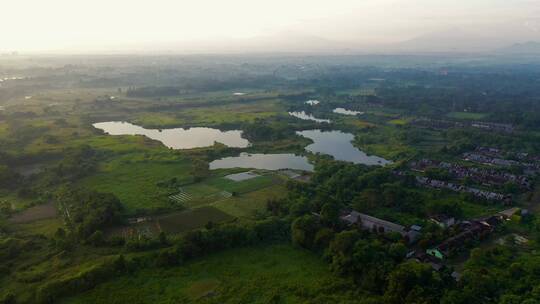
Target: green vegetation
pixel 133 178
pixel 467 115
pixel 89 217
pixel 192 219
pixel 250 204
pixel 254 275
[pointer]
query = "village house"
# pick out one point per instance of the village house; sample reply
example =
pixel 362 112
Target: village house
pixel 471 230
pixel 437 124
pixel 492 156
pixel 488 177
pixel 377 225
pixel 433 183
pixel 443 221
pixel 137 220
pixel 508 213
pixel 491 126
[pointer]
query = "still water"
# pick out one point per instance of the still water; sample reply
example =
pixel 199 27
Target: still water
pixel 346 112
pixel 263 161
pixel 178 138
pixel 339 145
pixel 305 116
pixel 334 143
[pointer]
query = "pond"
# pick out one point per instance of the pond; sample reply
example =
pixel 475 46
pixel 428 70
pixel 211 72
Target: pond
pixel 334 143
pixel 305 116
pixel 178 138
pixel 263 161
pixel 339 145
pixel 346 112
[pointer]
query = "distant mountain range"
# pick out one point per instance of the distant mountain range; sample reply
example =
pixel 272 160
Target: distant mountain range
pixel 454 40
pixel 449 41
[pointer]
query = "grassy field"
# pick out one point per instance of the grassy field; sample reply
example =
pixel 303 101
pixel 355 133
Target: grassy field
pixel 191 219
pixel 466 115
pixel 383 141
pixel 247 205
pixel 173 223
pixel 399 122
pixel 242 186
pixel 212 115
pixel 216 189
pixel 133 179
pixel 46 227
pixel 269 274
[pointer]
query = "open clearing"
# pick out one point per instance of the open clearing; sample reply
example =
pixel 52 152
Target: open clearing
pixel 172 223
pixel 191 219
pixel 246 205
pixel 268 274
pixel 46 227
pixel 134 181
pixel 36 213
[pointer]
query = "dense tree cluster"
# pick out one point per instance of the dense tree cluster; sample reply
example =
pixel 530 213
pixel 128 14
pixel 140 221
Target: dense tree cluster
pixel 87 211
pixel 263 131
pixel 76 163
pixel 377 262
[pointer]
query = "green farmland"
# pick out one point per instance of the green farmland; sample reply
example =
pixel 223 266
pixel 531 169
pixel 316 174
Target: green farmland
pixel 467 115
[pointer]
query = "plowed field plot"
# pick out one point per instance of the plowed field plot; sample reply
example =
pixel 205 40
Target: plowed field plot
pixel 36 213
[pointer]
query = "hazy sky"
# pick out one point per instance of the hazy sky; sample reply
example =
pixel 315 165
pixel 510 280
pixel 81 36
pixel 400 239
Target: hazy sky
pixel 101 24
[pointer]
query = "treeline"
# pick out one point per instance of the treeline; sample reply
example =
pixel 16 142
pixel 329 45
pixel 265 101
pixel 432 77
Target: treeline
pixel 169 252
pixel 207 83
pixel 40 187
pixel 518 109
pixel 461 141
pixel 86 211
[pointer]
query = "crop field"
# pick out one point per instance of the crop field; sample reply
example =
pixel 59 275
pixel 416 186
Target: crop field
pixel 209 201
pixel 247 205
pixel 190 219
pixel 36 213
pixel 267 274
pixel 242 186
pixel 172 223
pixel 134 181
pixel 181 197
pixel 467 115
pixel 219 188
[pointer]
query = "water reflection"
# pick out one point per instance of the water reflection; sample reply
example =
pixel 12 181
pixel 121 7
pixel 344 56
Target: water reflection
pixel 339 145
pixel 263 161
pixel 305 116
pixel 178 138
pixel 346 112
